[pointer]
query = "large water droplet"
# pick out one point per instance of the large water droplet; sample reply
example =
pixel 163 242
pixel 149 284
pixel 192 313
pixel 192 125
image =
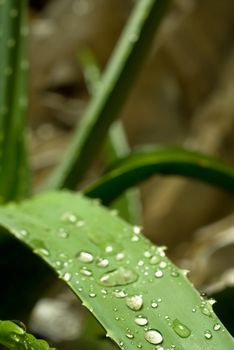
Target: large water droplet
pixel 154 337
pixel 141 320
pixel 85 257
pixel 118 277
pixel 135 302
pixel 208 334
pixel 180 329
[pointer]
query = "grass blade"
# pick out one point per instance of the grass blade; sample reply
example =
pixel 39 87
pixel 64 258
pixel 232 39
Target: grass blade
pixel 135 292
pixel 13 66
pixel 149 161
pixel 14 337
pixel 114 88
pixel 116 145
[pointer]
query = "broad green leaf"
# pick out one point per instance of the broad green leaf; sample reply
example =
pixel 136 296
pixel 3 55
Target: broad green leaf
pixel 13 67
pixel 116 145
pixel 114 88
pixel 136 293
pixel 14 337
pixel 148 161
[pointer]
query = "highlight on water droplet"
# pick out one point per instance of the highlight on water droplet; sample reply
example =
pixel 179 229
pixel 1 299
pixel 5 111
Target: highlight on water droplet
pixel 118 277
pixel 135 302
pixel 141 320
pixel 153 336
pixel 86 272
pixel 180 329
pixel 217 327
pixel 85 257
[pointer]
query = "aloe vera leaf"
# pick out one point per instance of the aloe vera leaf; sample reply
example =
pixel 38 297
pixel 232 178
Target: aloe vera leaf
pixel 148 161
pixel 14 337
pixel 116 83
pixel 116 146
pixel 13 71
pixel 129 285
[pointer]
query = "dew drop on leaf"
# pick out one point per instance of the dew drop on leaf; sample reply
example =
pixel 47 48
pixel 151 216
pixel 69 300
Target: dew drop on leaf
pixel 141 320
pixel 135 302
pixel 180 329
pixel 153 336
pixel 217 327
pixel 154 260
pixel 154 304
pixel 85 257
pixel 119 277
pixel 86 272
pixel 158 274
pixel 102 262
pixel 119 293
pixel 208 335
pixel 62 233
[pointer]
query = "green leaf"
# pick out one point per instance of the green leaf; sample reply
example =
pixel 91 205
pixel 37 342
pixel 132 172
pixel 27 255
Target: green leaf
pixel 135 292
pixel 13 67
pixel 14 337
pixel 116 146
pixel 148 161
pixel 114 88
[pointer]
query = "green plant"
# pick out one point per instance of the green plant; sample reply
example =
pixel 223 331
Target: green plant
pixel 106 261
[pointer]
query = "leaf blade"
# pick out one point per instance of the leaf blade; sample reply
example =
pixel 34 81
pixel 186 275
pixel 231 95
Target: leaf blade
pixel 93 230
pixel 149 161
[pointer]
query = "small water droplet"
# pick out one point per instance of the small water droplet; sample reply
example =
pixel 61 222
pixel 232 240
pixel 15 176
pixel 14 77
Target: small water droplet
pixel 147 254
pixel 86 272
pixel 66 276
pixel 118 277
pixel 174 273
pixel 80 223
pixel 69 217
pixel 92 295
pixel 85 257
pixel 129 335
pixel 180 329
pixel 154 304
pixel 136 229
pixel 163 264
pixel 23 233
pixel 119 293
pixel 140 263
pixel 141 320
pixel 102 262
pixel 217 327
pixel 62 233
pixel 120 256
pixel 158 274
pixel 208 334
pixel 109 249
pixel 154 260
pixel 135 238
pixel 153 336
pixel 135 302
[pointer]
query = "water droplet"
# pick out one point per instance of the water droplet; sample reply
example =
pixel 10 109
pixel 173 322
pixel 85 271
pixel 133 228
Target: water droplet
pixel 109 249
pixel 92 295
pixel 163 264
pixel 180 329
pixel 161 251
pixel 86 272
pixel 136 229
pixel 208 334
pixel 158 274
pixel 120 256
pixel 119 293
pixel 140 263
pixel 217 327
pixel 135 302
pixel 141 320
pixel 174 273
pixel 66 276
pixel 69 217
pixel 129 334
pixel 154 304
pixel 102 262
pixel 40 247
pixel 147 254
pixel 23 233
pixel 62 233
pixel 118 277
pixel 154 260
pixel 211 301
pixel 85 257
pixel 154 337
pixel 80 223
pixel 135 238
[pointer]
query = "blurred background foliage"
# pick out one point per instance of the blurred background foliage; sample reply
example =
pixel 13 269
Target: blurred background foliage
pixel 184 96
